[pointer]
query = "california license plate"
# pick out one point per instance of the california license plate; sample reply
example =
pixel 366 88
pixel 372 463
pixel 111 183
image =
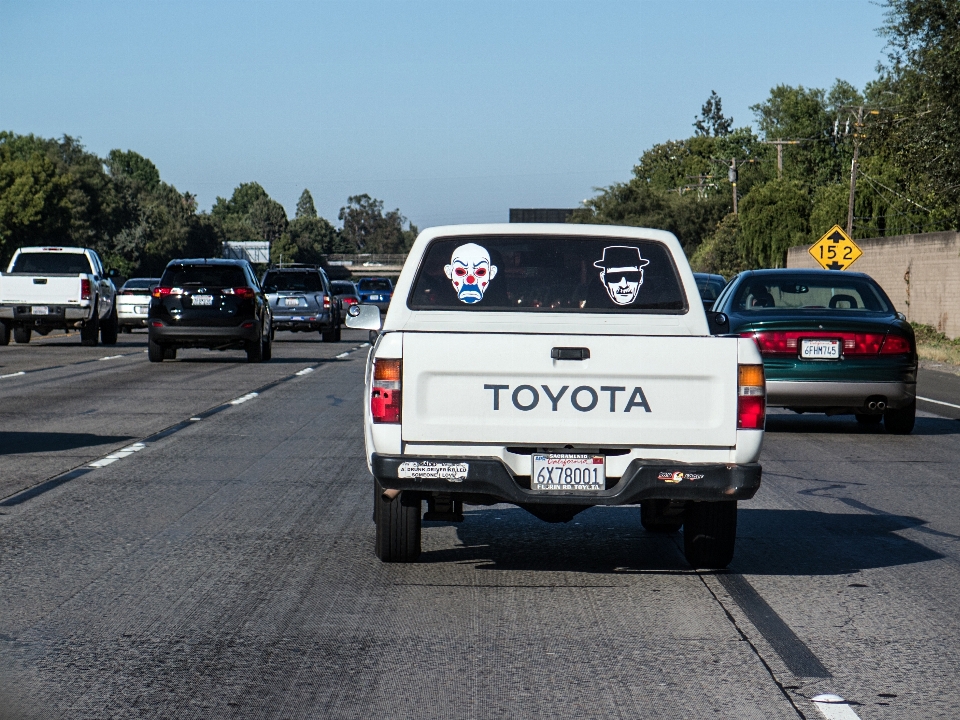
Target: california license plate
pixel 202 300
pixel 140 309
pixel 291 302
pixel 820 349
pixel 568 471
pixel 39 310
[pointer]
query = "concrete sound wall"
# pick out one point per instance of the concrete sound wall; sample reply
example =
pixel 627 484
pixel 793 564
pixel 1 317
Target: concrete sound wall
pixel 920 273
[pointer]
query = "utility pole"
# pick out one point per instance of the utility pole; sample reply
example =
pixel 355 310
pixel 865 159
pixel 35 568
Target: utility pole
pixel 780 143
pixel 732 176
pixel 858 136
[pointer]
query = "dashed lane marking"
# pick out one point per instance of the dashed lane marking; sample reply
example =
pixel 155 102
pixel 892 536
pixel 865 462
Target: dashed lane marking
pixel 938 402
pixel 834 707
pixel 343 354
pixel 111 357
pixel 10 375
pixel 57 480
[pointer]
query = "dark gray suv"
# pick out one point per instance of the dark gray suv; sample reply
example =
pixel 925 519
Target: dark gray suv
pixel 301 300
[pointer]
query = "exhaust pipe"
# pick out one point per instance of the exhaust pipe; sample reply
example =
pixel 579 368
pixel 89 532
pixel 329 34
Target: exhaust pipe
pixel 871 405
pixel 881 405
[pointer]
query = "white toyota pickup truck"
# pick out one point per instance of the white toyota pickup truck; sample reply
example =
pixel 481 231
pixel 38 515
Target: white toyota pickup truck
pixel 47 288
pixel 558 367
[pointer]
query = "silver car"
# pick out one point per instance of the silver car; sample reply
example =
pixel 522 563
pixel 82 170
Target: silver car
pixel 301 300
pixel 133 301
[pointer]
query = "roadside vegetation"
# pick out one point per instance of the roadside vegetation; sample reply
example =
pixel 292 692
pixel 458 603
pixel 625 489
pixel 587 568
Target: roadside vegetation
pixel 905 121
pixel 934 345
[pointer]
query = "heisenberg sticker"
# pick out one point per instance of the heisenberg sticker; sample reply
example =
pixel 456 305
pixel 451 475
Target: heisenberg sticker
pixel 427 470
pixel 621 272
pixel 676 477
pixel 470 272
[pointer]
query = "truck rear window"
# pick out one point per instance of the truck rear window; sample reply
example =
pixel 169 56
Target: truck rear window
pixel 548 274
pixel 52 264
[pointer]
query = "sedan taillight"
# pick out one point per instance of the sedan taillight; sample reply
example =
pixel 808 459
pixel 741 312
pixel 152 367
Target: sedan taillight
pixel 751 397
pixel 896 345
pixel 160 291
pixel 385 395
pixel 773 343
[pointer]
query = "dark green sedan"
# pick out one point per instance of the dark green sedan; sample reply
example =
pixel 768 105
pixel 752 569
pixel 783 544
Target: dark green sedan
pixel 831 341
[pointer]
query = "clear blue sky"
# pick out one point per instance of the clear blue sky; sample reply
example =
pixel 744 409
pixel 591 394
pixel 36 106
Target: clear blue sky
pixel 451 111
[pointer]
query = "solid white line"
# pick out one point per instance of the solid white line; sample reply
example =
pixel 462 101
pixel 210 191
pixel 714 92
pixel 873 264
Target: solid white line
pixel 111 357
pixel 13 374
pixel 305 371
pixel 938 402
pixel 834 707
pixel 244 398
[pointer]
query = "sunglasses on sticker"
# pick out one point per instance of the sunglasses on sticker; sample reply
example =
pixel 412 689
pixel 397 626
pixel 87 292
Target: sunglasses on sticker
pixel 617 276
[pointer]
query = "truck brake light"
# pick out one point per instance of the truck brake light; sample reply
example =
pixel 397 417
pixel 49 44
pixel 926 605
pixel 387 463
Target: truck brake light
pixel 326 302
pixel 84 289
pixel 751 398
pixel 385 394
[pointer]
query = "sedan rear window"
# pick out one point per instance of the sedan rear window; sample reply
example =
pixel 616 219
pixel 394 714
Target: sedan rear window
pixel 342 287
pixel 377 284
pixel 141 284
pixel 532 273
pixel 292 282
pixel 787 292
pixel 218 276
pixel 52 264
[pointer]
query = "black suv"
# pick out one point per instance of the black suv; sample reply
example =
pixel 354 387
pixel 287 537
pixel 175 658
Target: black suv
pixel 216 304
pixel 301 299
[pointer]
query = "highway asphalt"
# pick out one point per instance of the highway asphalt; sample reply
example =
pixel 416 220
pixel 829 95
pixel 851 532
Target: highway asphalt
pixel 223 567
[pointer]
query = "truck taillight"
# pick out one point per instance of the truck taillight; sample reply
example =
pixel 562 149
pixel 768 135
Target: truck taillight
pixel 84 289
pixel 326 302
pixel 385 395
pixel 751 398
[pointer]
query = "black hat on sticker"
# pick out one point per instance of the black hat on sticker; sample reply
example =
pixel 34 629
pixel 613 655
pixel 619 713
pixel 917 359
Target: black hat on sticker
pixel 621 257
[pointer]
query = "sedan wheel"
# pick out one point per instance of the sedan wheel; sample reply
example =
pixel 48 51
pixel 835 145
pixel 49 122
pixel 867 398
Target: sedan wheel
pixel 869 420
pixel 901 420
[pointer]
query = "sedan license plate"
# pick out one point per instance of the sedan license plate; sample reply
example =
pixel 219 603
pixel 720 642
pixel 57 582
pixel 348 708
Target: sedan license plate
pixel 202 300
pixel 820 349
pixel 39 310
pixel 291 302
pixel 568 471
pixel 140 309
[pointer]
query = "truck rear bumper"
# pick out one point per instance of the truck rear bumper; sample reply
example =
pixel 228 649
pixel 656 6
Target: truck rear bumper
pixel 643 480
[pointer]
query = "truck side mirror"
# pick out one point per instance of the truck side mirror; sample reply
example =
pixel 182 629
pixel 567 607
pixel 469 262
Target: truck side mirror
pixel 364 317
pixel 112 273
pixel 718 322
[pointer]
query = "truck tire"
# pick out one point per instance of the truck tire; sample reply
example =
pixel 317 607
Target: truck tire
pixel 169 353
pixel 21 335
pixel 900 421
pixel 90 332
pixel 155 352
pixel 4 334
pixel 109 328
pixel 398 525
pixel 653 520
pixel 710 533
pixel 330 335
pixel 255 351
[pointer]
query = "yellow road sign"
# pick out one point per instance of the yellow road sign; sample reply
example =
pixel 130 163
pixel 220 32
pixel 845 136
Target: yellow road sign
pixel 835 250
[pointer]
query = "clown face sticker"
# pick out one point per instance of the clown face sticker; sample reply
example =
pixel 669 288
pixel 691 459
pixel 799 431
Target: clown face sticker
pixel 470 272
pixel 621 272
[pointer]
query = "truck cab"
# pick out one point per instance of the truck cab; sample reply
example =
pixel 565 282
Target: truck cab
pixel 557 368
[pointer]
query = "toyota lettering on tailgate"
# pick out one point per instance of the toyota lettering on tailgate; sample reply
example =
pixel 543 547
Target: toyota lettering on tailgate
pixel 583 398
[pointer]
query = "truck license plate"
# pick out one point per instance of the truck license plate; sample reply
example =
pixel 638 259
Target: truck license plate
pixel 39 310
pixel 140 309
pixel 202 300
pixel 568 471
pixel 820 349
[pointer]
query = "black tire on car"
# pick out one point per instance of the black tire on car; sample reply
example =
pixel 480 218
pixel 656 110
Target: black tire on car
pixel 21 335
pixel 398 525
pixel 869 420
pixel 255 351
pixel 109 328
pixel 126 329
pixel 710 533
pixel 653 520
pixel 90 331
pixel 169 353
pixel 155 351
pixel 901 420
pixel 268 348
pixel 330 335
pixel 337 333
pixel 4 334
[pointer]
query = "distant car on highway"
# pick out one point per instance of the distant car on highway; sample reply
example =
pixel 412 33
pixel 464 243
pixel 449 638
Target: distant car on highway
pixel 302 300
pixel 831 342
pixel 133 302
pixel 346 293
pixel 203 303
pixel 376 291
pixel 709 286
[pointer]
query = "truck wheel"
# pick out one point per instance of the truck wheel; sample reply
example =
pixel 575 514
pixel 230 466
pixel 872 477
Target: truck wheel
pixel 329 335
pixel 336 333
pixel 155 352
pixel 109 328
pixel 709 533
pixel 4 334
pixel 169 353
pixel 653 520
pixel 21 335
pixel 90 331
pixel 255 351
pixel 398 526
pixel 900 421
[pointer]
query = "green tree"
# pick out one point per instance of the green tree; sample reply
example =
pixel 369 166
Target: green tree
pixel 774 216
pixel 721 252
pixel 711 120
pixel 133 166
pixel 367 229
pixel 305 206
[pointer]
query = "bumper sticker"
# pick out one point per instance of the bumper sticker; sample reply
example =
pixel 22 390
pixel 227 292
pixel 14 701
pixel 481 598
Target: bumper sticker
pixel 678 476
pixel 428 470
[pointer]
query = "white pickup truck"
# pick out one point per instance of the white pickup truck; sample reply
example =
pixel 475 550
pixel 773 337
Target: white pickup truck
pixel 48 288
pixel 558 367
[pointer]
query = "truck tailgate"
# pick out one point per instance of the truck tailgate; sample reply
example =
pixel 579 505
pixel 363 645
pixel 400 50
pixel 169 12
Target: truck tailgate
pixel 39 289
pixel 507 389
